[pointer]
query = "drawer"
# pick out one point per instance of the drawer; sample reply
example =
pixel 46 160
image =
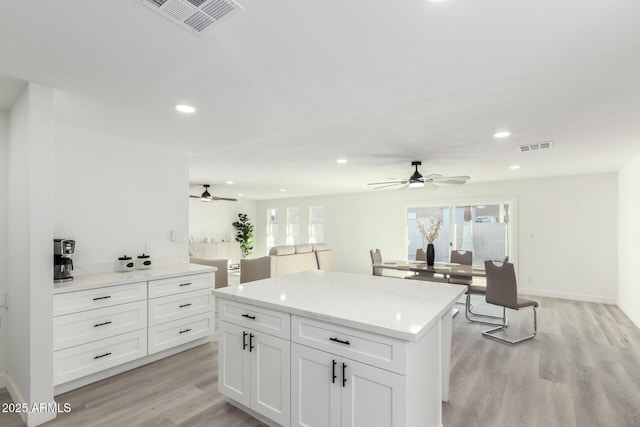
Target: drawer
pixel 257 318
pixel 373 349
pixel 80 328
pixel 176 285
pixel 73 302
pixel 174 307
pixel 76 362
pixel 167 335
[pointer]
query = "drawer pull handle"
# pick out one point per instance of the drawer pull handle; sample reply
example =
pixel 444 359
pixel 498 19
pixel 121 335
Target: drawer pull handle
pixel 102 324
pixel 251 346
pixel 97 298
pixel 334 371
pixel 344 375
pixel 103 355
pixel 185 330
pixel 244 340
pixel 185 305
pixel 185 284
pixel 340 341
pixel 248 316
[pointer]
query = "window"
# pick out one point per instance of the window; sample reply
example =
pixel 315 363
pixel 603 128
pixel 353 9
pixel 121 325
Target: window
pixel 272 227
pixel 480 228
pixel 316 224
pixel 293 226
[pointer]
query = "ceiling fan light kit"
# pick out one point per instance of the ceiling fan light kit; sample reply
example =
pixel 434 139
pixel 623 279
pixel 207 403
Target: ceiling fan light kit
pixel 207 197
pixel 417 180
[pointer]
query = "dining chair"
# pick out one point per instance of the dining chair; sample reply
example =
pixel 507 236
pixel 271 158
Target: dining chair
pixel 502 290
pixel 464 258
pixel 376 258
pixel 421 255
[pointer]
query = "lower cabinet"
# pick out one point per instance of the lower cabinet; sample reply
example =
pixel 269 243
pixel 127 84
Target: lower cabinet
pixel 254 370
pixel 329 390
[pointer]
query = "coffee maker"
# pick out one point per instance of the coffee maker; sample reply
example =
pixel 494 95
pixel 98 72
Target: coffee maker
pixel 63 249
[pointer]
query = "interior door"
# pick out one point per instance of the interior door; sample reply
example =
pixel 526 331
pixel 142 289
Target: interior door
pixel 315 388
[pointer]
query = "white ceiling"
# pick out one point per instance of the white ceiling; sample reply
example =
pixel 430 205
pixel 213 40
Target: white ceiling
pixel 286 87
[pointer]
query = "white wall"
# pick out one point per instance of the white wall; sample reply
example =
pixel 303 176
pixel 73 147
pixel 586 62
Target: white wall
pixel 629 239
pixel 30 234
pixel 565 229
pixel 114 195
pixel 213 219
pixel 4 153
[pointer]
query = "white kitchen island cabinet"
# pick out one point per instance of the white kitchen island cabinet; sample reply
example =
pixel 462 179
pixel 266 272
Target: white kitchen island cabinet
pixel 364 351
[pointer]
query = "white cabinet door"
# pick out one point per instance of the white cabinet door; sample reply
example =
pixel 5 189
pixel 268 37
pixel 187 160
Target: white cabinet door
pixel 316 384
pixel 234 375
pixel 270 376
pixel 372 396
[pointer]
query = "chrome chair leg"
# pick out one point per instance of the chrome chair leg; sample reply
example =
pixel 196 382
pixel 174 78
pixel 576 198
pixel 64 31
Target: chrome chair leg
pixel 489 332
pixel 467 312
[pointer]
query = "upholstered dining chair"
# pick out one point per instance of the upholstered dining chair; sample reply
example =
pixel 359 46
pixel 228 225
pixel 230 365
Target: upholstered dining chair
pixel 421 255
pixel 376 258
pixel 502 290
pixel 464 258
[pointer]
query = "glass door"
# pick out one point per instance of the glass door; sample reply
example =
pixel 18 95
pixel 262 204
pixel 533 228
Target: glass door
pixel 428 216
pixel 483 230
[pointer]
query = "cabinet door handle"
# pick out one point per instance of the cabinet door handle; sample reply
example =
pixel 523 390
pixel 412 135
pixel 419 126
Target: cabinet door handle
pixel 97 298
pixel 334 371
pixel 102 324
pixel 184 331
pixel 346 342
pixel 251 346
pixel 102 355
pixel 244 340
pixel 344 374
pixel 185 305
pixel 248 316
pixel 185 284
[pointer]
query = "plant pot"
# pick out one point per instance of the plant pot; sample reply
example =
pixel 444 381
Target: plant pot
pixel 431 254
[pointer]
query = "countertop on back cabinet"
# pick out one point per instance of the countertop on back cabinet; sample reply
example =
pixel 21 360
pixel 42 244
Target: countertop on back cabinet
pixel 91 281
pixel 404 309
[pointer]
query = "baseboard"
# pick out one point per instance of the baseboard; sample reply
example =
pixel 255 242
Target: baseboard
pixel 563 295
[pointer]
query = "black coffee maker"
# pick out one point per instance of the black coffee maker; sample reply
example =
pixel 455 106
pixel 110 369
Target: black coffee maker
pixel 63 249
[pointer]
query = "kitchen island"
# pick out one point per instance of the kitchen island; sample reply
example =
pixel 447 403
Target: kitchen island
pixel 323 348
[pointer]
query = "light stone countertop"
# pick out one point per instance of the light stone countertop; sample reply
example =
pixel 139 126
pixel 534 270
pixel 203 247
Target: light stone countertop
pixel 399 308
pixel 91 281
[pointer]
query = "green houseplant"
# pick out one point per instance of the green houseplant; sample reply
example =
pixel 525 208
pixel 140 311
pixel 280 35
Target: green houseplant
pixel 245 234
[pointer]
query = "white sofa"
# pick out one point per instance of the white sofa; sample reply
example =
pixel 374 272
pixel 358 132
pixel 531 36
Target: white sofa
pixel 283 260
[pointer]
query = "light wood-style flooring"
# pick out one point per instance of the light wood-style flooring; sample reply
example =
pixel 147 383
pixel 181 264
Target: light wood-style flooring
pixel 583 369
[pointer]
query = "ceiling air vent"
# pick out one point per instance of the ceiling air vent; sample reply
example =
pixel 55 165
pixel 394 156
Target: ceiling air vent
pixel 536 146
pixel 195 15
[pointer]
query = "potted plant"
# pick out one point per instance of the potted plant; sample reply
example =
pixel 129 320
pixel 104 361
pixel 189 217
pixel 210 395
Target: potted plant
pixel 245 234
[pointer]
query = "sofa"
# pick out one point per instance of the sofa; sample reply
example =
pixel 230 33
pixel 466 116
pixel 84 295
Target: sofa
pixel 222 279
pixel 289 259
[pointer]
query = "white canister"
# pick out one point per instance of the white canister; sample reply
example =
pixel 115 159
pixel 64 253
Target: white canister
pixel 125 263
pixel 143 262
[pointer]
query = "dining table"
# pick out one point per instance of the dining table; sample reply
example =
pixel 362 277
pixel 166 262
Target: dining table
pixel 446 269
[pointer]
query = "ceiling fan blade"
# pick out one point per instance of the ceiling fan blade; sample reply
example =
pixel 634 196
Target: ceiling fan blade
pixel 430 185
pixel 194 197
pixel 223 198
pixel 388 182
pixel 458 178
pixel 432 176
pixel 388 185
pixel 450 181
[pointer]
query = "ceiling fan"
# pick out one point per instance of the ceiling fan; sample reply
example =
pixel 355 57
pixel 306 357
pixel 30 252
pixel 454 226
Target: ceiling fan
pixel 207 197
pixel 417 180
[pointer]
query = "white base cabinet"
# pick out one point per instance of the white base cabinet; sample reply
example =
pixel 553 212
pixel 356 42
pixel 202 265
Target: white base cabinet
pixel 328 390
pixel 255 370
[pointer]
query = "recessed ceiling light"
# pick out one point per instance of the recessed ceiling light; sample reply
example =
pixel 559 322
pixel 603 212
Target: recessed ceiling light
pixel 183 108
pixel 229 182
pixel 283 189
pixel 502 134
pixel 514 167
pixel 240 194
pixel 341 161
